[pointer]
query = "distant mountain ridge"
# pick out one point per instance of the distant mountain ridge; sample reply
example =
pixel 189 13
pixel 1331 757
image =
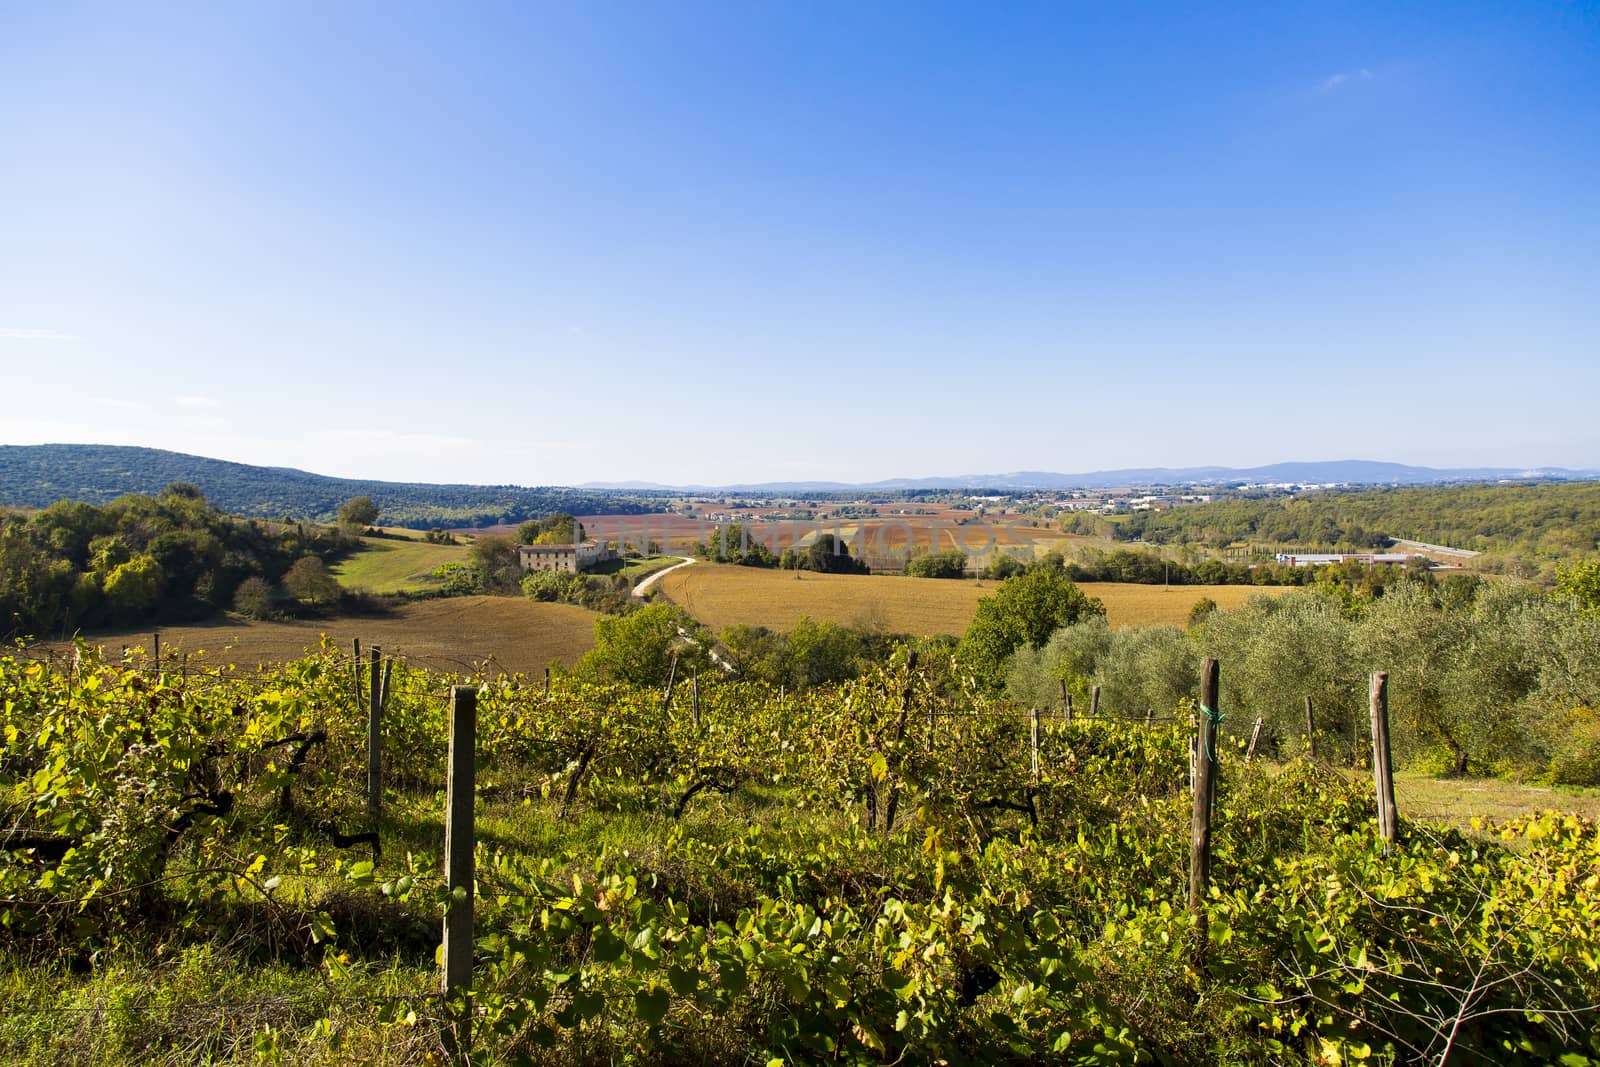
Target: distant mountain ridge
pixel 39 475
pixel 1340 472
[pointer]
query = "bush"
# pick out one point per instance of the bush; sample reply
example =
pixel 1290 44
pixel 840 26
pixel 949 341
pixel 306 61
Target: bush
pixel 1575 751
pixel 254 599
pixel 950 564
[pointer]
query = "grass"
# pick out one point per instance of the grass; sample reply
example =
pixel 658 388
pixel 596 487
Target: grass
pixel 1458 800
pixel 723 595
pixel 637 569
pixel 395 566
pixel 450 634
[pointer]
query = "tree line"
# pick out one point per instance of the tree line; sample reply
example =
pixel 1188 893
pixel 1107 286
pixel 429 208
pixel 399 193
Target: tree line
pixel 38 475
pixel 1528 526
pixel 1486 676
pixel 169 557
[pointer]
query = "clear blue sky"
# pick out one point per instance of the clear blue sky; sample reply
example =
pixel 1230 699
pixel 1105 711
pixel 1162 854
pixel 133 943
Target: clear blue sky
pixel 549 243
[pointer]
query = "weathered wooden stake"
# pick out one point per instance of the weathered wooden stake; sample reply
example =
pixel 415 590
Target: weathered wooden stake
pixel 155 650
pixel 1382 768
pixel 1205 778
pixel 458 846
pixel 1033 743
pixel 1255 736
pixel 374 734
pixel 1311 730
pixel 1066 702
pixel 1094 702
pixel 672 678
pixel 388 677
pixel 355 645
pixel 547 683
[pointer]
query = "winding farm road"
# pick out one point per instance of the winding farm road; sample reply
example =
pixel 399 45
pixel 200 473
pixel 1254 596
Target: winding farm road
pixel 650 579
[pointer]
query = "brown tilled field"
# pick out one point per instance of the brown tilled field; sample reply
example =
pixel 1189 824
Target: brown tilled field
pixel 452 634
pixel 721 596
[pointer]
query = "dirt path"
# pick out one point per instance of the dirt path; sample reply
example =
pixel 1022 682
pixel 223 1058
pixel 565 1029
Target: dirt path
pixel 651 579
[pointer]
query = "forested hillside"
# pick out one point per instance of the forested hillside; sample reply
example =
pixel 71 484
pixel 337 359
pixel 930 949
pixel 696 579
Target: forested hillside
pixel 143 558
pixel 39 475
pixel 1551 519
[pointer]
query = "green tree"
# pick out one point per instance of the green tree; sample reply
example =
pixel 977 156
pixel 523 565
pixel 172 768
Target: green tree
pixel 560 529
pixel 1579 584
pixel 1002 566
pixel 357 512
pixel 308 579
pixel 1022 613
pixel 639 647
pixel 496 565
pixel 1201 611
pixel 132 588
pixel 952 564
pixel 831 555
pixel 821 652
pixel 755 653
pixel 253 599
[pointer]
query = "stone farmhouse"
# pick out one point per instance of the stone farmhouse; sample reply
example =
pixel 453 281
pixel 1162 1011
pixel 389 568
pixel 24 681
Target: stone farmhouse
pixel 569 558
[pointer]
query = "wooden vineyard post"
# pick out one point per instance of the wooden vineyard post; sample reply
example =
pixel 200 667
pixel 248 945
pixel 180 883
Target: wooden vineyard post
pixel 547 683
pixel 1066 702
pixel 1255 737
pixel 1311 730
pixel 672 678
pixel 374 734
pixel 899 737
pixel 1382 767
pixel 388 677
pixel 155 651
pixel 1205 780
pixel 1149 717
pixel 1033 743
pixel 1094 702
pixel 458 846
pixel 355 645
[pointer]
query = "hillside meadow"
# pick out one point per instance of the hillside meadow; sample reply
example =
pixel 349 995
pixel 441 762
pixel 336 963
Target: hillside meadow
pixel 722 595
pixel 403 564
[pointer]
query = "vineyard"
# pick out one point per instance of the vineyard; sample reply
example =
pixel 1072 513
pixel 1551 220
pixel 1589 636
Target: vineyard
pixel 893 870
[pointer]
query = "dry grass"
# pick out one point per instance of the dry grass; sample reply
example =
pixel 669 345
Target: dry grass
pixel 451 634
pixel 724 595
pixel 1458 800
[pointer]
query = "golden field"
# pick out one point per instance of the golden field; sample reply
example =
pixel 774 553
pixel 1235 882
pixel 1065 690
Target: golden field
pixel 452 634
pixel 723 595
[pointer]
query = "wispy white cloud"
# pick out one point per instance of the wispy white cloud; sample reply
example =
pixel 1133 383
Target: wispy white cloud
pixel 1333 81
pixel 194 402
pixel 9 333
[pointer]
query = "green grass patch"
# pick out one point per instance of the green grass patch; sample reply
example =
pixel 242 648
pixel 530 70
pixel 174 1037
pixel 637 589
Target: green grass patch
pixel 394 566
pixel 636 570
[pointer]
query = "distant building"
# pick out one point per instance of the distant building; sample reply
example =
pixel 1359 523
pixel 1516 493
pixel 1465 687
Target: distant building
pixel 568 558
pixel 1317 559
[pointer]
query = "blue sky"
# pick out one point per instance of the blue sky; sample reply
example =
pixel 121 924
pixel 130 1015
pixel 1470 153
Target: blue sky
pixel 549 243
